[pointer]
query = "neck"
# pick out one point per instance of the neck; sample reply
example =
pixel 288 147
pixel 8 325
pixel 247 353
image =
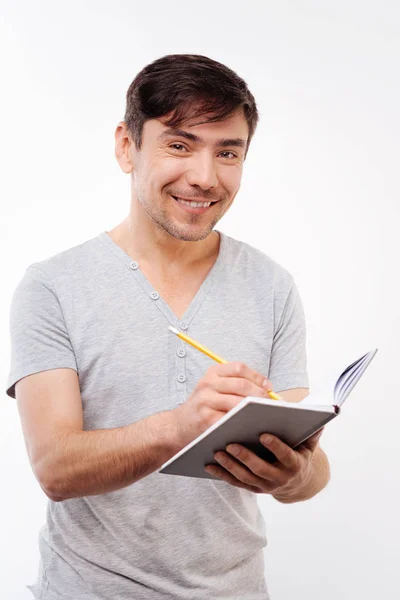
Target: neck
pixel 155 246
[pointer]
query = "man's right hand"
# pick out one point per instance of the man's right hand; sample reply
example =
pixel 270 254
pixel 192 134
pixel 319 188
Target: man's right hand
pixel 119 456
pixel 218 391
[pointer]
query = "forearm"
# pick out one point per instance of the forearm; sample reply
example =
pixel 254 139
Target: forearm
pixel 318 478
pixel 84 463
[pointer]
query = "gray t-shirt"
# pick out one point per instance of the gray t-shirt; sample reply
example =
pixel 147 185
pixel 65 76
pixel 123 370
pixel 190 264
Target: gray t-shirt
pixel 91 309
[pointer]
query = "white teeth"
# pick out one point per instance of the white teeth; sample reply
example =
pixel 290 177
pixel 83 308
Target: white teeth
pixel 200 204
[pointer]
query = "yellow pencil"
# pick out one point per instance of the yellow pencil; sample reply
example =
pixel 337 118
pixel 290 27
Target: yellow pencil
pixel 205 350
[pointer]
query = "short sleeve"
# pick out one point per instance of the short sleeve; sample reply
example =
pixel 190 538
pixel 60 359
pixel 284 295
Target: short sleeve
pixel 38 334
pixel 288 364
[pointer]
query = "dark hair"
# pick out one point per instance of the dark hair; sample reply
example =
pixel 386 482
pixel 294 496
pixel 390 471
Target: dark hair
pixel 188 86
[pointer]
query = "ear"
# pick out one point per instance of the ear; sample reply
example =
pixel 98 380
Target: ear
pixel 123 147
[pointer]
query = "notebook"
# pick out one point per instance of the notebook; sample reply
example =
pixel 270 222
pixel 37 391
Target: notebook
pixel 292 422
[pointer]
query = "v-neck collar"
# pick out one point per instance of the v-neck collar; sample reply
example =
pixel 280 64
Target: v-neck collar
pixel 134 268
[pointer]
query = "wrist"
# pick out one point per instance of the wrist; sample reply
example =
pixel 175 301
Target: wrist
pixel 309 483
pixel 181 432
pixel 166 436
pixel 296 489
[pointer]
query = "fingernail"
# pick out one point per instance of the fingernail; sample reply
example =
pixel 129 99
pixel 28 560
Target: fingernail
pixel 267 384
pixel 267 439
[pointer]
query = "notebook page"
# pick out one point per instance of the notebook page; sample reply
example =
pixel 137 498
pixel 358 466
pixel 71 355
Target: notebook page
pixel 349 378
pixel 346 377
pixel 352 380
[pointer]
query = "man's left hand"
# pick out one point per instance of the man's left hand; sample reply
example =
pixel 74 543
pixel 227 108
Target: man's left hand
pixel 291 471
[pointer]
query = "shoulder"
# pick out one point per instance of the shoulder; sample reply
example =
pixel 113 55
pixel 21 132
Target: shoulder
pixel 258 265
pixel 59 267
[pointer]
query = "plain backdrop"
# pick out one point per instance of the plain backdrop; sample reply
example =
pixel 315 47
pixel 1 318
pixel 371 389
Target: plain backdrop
pixel 320 195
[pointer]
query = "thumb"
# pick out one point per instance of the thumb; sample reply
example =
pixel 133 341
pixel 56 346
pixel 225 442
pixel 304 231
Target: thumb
pixel 312 442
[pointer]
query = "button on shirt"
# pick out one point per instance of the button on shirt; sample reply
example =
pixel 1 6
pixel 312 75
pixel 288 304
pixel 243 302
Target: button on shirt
pixel 91 309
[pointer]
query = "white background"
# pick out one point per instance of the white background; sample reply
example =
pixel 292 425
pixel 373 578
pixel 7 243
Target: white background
pixel 320 195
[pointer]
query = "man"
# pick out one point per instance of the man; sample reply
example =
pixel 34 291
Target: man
pixel 107 394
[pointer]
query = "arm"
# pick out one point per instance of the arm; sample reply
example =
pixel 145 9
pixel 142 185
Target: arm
pixel 307 487
pixel 69 462
pixel 289 357
pixel 319 472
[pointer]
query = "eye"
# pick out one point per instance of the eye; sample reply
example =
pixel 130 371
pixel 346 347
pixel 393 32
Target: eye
pixel 180 145
pixel 229 152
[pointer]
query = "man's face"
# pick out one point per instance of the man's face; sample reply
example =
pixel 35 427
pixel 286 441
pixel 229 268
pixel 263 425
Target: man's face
pixel 170 165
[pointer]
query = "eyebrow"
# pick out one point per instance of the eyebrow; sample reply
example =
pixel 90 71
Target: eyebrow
pixel 224 142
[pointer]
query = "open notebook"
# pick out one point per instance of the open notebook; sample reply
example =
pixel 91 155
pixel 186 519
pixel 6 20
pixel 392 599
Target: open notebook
pixel 292 422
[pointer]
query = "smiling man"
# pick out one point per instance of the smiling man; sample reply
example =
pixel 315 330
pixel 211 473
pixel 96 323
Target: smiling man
pixel 107 394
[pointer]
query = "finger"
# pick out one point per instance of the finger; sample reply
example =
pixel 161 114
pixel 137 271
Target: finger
pixel 239 386
pixel 229 478
pixel 223 402
pixel 312 442
pixel 240 370
pixel 259 466
pixel 284 453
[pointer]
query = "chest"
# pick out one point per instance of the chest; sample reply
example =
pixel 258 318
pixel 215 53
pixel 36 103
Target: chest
pixel 131 366
pixel 178 296
pixel 177 290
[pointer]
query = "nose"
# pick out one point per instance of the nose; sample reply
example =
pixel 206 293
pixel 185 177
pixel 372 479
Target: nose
pixel 202 172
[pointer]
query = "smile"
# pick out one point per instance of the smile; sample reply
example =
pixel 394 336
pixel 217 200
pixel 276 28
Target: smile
pixel 193 206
